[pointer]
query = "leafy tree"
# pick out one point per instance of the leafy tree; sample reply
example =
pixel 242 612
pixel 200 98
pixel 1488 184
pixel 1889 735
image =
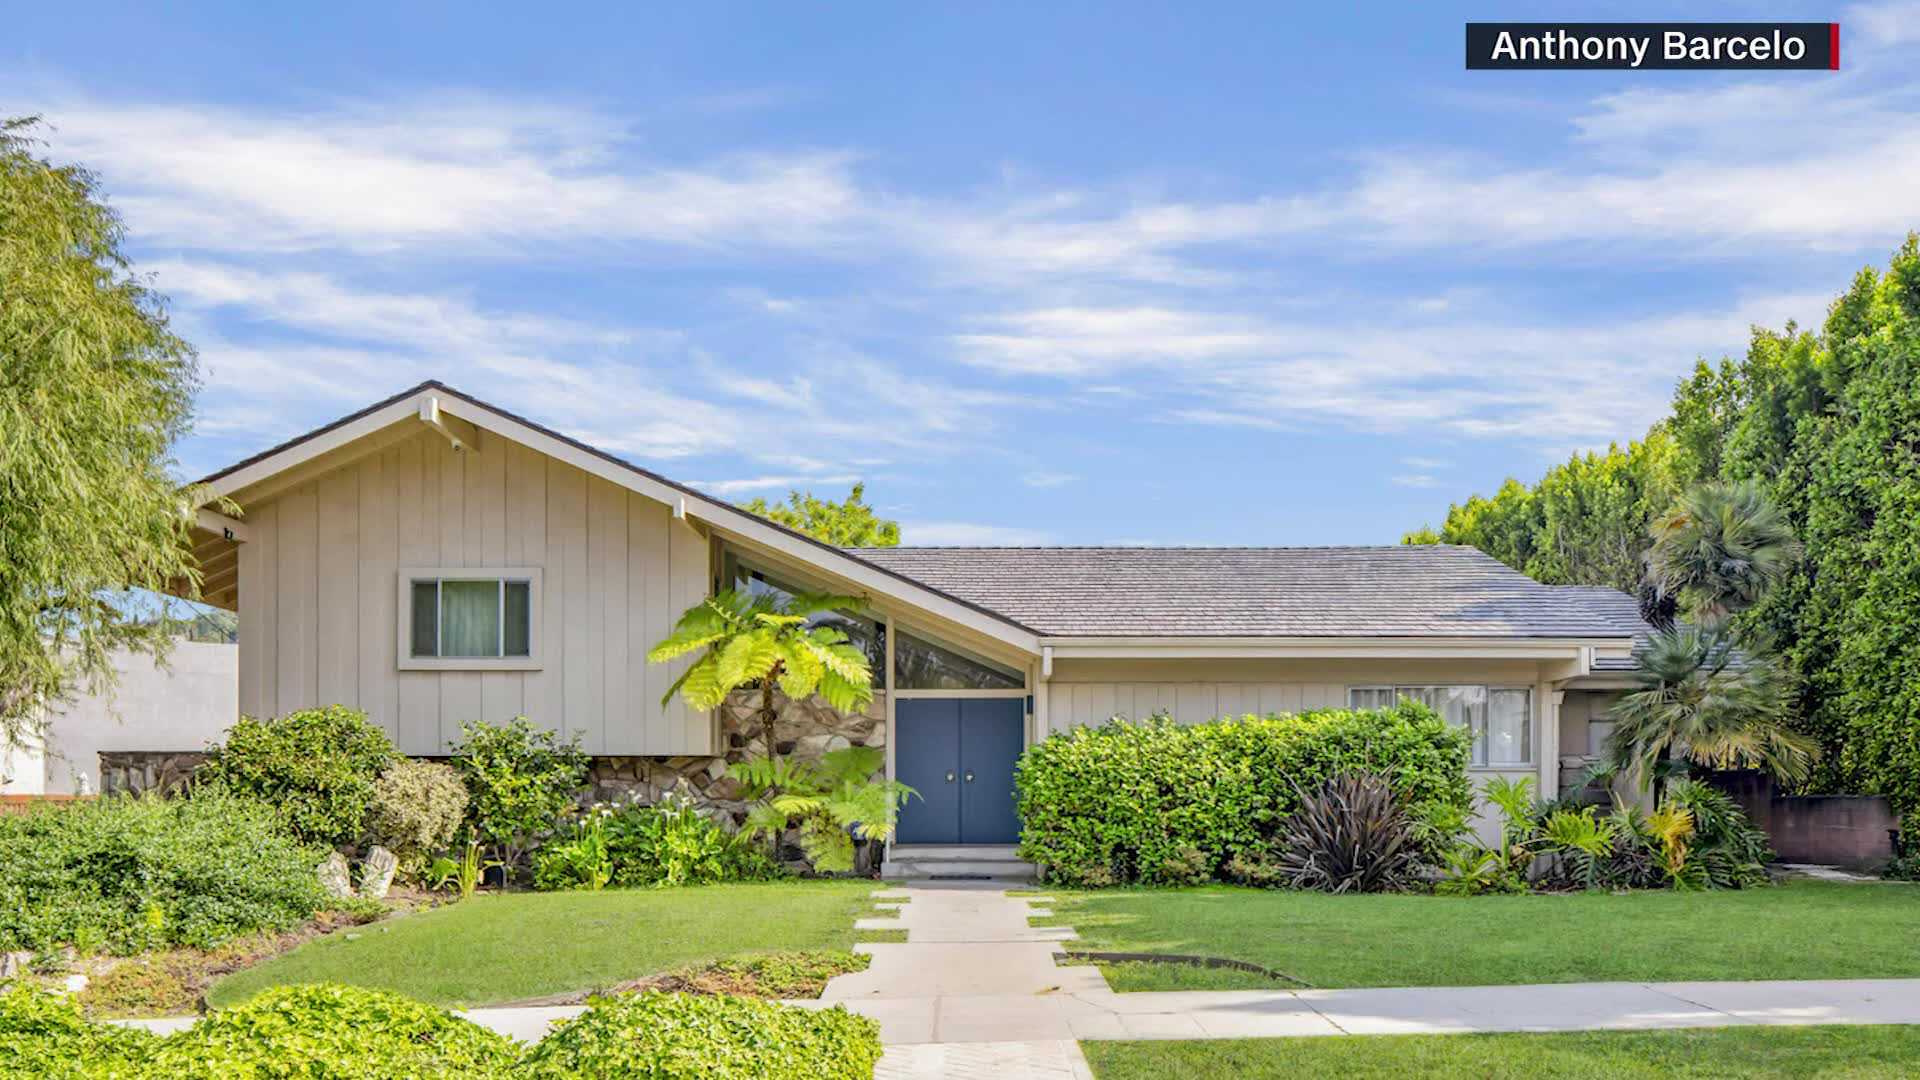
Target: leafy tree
pixel 851 523
pixel 765 641
pixel 1425 534
pixel 94 391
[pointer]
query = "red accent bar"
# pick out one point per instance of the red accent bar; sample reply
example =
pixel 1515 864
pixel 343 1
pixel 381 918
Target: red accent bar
pixel 1833 46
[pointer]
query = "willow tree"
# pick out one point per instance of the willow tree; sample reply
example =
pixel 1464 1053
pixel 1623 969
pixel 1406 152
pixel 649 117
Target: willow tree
pixel 95 390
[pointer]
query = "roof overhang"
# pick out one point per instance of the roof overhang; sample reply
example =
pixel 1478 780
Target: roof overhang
pixel 464 419
pixel 1084 648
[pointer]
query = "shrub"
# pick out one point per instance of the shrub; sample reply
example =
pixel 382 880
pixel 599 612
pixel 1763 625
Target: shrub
pixel 1730 852
pixel 674 1036
pixel 1129 802
pixel 46 1033
pixel 318 766
pixel 1352 835
pixel 671 842
pixel 338 1032
pixel 130 873
pixel 520 780
pixel 417 806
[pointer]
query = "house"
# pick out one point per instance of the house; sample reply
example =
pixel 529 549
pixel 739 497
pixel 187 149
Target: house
pixel 434 559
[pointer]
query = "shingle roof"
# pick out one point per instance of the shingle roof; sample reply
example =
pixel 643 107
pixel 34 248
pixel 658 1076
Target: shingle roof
pixel 1401 591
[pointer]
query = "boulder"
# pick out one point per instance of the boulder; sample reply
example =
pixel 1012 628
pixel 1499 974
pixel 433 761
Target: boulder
pixel 376 873
pixel 335 876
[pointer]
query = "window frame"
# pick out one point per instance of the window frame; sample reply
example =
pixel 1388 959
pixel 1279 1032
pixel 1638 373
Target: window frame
pixel 1488 690
pixel 403 641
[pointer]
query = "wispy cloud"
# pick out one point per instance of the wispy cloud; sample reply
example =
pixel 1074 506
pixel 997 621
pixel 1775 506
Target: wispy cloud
pixel 1416 480
pixel 1896 23
pixel 782 484
pixel 454 175
pixel 1047 479
pixel 1471 378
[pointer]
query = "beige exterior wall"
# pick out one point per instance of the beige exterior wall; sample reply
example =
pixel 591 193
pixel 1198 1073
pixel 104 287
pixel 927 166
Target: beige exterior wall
pixel 319 595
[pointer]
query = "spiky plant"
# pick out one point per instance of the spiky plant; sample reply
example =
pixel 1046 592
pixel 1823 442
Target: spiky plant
pixel 1352 835
pixel 1700 700
pixel 1719 549
pixel 761 641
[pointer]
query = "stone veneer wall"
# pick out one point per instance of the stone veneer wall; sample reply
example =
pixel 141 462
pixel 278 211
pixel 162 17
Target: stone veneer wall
pixel 805 730
pixel 134 771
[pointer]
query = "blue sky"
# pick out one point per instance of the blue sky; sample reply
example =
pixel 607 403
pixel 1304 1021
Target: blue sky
pixel 1037 273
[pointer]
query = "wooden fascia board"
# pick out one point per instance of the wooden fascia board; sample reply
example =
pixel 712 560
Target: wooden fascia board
pixel 1066 648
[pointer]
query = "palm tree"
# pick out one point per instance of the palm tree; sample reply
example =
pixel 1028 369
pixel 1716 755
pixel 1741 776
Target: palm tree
pixel 1701 700
pixel 765 641
pixel 1719 549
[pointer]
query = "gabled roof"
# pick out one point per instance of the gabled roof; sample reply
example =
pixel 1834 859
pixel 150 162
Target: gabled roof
pixel 384 414
pixel 1399 591
pixel 1021 595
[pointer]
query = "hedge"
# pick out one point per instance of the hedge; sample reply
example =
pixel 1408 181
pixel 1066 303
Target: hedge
pixel 656 1036
pixel 1157 802
pixel 125 874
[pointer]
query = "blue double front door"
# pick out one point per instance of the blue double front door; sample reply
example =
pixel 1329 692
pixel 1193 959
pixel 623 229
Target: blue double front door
pixel 958 753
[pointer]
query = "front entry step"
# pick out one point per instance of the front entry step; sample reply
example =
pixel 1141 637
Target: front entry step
pixel 998 862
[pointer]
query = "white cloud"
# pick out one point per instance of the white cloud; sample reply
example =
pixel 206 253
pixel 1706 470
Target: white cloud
pixel 1594 381
pixel 1047 479
pixel 465 176
pixel 781 484
pixel 970 534
pixel 1896 23
pixel 1426 464
pixel 1416 480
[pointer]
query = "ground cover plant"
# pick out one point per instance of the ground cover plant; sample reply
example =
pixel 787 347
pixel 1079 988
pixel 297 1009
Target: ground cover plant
pixel 520 946
pixel 1771 1053
pixel 1163 803
pixel 1799 930
pixel 127 874
pixel 696 1037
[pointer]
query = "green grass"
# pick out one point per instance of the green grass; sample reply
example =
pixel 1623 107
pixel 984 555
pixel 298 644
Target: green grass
pixel 1802 930
pixel 1826 1052
pixel 523 945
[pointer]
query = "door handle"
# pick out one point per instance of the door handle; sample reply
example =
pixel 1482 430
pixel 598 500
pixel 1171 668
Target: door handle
pixel 969 778
pixel 950 777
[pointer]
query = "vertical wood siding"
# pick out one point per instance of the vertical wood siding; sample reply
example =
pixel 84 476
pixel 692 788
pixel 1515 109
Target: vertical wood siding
pixel 318 596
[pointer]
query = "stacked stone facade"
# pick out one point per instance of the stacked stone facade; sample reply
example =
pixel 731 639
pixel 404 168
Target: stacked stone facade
pixel 804 731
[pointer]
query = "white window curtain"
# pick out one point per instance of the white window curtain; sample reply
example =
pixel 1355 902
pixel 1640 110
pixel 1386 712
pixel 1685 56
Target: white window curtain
pixel 469 618
pixel 1500 720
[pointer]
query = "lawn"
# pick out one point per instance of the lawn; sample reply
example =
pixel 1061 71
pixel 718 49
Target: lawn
pixel 1802 930
pixel 522 945
pixel 1826 1052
